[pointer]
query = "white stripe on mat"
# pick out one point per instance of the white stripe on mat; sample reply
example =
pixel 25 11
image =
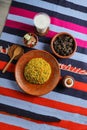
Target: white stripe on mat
pixel 43 110
pixel 53 28
pixel 79 2
pixel 40 46
pixel 5 83
pixel 29 125
pixel 56 8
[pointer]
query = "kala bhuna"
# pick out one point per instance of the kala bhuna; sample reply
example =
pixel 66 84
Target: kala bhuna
pixel 37 71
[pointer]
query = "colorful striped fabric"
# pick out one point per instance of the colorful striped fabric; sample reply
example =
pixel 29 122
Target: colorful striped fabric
pixel 66 108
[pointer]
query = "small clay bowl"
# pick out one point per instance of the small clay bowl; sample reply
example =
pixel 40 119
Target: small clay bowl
pixel 32 41
pixel 68 81
pixel 63 45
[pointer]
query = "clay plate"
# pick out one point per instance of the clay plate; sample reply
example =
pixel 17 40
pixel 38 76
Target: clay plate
pixel 34 89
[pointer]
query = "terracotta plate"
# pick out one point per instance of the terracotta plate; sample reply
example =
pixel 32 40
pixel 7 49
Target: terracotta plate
pixel 34 89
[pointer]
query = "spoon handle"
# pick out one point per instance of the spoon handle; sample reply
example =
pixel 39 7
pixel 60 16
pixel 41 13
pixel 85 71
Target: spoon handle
pixel 6 67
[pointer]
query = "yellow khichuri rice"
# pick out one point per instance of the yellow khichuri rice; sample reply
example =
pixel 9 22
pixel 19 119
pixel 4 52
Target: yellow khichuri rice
pixel 37 71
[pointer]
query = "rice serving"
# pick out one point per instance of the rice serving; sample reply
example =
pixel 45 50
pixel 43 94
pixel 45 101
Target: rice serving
pixel 37 71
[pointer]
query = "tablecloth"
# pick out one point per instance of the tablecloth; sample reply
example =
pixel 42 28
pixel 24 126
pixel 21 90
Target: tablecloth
pixel 22 111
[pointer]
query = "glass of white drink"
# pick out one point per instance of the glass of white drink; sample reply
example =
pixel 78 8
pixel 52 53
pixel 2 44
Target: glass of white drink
pixel 41 22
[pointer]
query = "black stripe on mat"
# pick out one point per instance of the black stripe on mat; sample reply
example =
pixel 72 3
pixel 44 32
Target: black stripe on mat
pixel 78 77
pixel 74 63
pixel 7 75
pixel 82 50
pixel 67 4
pixel 27 114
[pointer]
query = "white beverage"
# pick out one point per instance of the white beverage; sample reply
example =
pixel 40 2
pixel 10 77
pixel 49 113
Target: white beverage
pixel 41 22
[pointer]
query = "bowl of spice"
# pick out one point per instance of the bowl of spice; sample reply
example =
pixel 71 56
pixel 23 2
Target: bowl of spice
pixel 36 74
pixel 63 45
pixel 68 81
pixel 30 39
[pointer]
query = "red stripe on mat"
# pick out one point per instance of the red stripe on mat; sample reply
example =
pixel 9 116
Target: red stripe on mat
pixel 26 27
pixel 5 126
pixel 55 21
pixel 11 67
pixel 44 101
pixel 63 123
pixel 21 26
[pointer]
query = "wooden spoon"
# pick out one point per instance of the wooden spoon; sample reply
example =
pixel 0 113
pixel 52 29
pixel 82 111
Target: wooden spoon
pixel 16 52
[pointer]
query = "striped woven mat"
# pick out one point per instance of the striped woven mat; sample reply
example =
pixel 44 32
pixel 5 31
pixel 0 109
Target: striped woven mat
pixel 61 108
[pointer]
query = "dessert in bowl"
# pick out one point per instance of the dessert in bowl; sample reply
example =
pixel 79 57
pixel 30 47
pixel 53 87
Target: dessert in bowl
pixel 30 39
